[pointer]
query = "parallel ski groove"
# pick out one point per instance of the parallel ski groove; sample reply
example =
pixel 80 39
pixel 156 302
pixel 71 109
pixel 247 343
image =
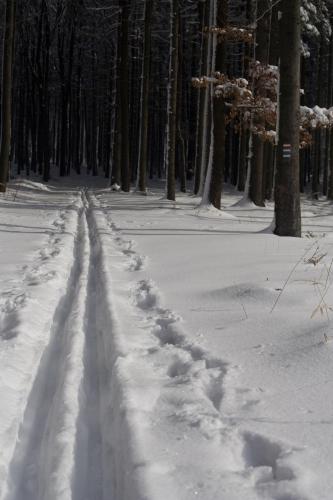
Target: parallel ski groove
pixel 88 473
pixel 74 442
pixel 41 465
pixel 59 454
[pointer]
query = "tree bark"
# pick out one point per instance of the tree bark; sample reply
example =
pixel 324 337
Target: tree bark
pixel 143 157
pixel 201 103
pixel 257 194
pixel 216 182
pixel 7 78
pixel 287 189
pixel 172 104
pixel 330 132
pixel 124 98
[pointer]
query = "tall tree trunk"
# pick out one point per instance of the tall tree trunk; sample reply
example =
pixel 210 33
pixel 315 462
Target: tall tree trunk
pixel 257 194
pixel 287 190
pixel 243 141
pixel 172 105
pixel 181 112
pixel 143 156
pixel 201 102
pixel 317 166
pixel 330 132
pixel 107 130
pixel 116 149
pixel 77 119
pixel 216 181
pixel 45 132
pixel 124 99
pixel 208 123
pixel 7 77
pixel 93 121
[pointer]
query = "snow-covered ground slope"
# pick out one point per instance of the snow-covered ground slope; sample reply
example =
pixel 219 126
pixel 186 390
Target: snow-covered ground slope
pixel 152 350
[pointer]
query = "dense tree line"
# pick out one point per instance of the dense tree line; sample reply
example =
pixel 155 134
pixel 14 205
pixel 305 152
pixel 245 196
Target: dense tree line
pixel 194 92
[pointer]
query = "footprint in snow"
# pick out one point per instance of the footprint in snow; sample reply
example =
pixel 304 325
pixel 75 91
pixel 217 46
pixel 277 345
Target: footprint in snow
pixel 146 295
pixel 36 277
pixel 48 253
pixel 11 300
pixel 137 263
pixel 10 304
pixel 59 224
pixel 267 456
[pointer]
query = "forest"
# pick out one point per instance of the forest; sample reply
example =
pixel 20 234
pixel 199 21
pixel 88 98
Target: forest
pixel 166 249
pixel 200 93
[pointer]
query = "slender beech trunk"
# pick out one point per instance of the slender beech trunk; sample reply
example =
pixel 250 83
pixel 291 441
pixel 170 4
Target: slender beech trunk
pixel 77 120
pixel 207 119
pixel 201 103
pixel 20 119
pixel 143 156
pixel 116 153
pixel 181 112
pixel 7 77
pixel 208 178
pixel 269 175
pixel 93 122
pixel 33 128
pixel 243 141
pixel 257 194
pixel 116 149
pixel 172 101
pixel 218 166
pixel 330 132
pixel 124 98
pixel 330 182
pixel 287 185
pixel 107 130
pixel 45 129
pixel 317 165
pixel 66 80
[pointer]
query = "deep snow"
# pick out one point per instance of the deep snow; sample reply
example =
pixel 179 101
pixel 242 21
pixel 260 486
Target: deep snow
pixel 157 350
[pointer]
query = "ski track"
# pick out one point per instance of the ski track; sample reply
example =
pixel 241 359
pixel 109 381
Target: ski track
pixel 59 450
pixel 88 470
pixel 262 459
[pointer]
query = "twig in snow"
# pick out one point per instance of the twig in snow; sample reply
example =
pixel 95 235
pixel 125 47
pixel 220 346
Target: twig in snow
pixel 290 275
pixel 315 258
pixel 322 306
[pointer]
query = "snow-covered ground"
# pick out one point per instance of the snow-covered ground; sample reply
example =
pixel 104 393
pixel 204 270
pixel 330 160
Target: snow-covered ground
pixel 154 350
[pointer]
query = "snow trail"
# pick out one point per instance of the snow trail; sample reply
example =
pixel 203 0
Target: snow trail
pixel 75 440
pixel 88 473
pixel 59 451
pixel 43 461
